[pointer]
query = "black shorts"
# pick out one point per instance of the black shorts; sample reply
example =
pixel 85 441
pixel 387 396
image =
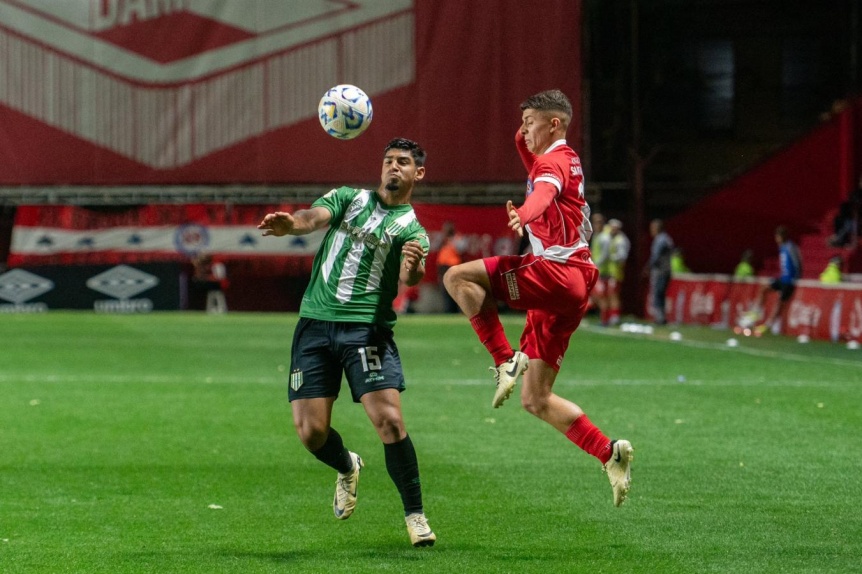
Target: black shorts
pixel 323 350
pixel 785 289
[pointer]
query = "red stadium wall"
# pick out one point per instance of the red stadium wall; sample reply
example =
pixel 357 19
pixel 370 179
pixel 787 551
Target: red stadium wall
pixel 797 187
pixel 178 93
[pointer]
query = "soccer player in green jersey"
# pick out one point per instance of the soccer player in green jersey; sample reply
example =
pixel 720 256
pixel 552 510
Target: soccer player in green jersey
pixel 345 324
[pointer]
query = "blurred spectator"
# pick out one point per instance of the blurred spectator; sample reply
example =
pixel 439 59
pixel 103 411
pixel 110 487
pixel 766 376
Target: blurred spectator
pixel 844 226
pixel 832 273
pixel 600 251
pixel 659 268
pixel 405 301
pixel 790 260
pixel 677 262
pixel 448 255
pixel 744 268
pixel 210 276
pixel 619 254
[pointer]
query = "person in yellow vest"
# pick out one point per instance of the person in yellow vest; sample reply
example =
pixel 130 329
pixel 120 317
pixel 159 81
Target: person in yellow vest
pixel 600 254
pixel 677 262
pixel 832 273
pixel 618 254
pixel 744 268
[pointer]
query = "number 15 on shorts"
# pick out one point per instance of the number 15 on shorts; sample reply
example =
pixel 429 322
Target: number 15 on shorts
pixel 370 359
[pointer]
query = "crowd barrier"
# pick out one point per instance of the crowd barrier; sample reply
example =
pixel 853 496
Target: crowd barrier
pixel 817 310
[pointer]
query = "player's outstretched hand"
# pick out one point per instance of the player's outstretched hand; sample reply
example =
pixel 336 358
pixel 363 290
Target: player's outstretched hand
pixel 278 224
pixel 514 219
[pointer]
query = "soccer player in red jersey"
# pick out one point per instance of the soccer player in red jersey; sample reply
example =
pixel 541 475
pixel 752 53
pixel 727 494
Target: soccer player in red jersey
pixel 552 284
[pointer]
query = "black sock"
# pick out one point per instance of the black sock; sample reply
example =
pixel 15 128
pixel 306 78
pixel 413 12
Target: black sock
pixel 333 453
pixel 404 470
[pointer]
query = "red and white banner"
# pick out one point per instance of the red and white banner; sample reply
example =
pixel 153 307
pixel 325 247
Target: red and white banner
pixel 53 235
pixel 45 235
pixel 828 312
pixel 126 92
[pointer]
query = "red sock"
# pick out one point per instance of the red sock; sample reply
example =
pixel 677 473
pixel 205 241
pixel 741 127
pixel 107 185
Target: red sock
pixel 490 331
pixel 588 436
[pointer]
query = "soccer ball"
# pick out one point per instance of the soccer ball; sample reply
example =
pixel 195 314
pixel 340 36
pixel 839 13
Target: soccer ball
pixel 345 111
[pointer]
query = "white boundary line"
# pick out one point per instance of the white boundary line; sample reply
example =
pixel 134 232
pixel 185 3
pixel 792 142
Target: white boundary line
pixel 724 348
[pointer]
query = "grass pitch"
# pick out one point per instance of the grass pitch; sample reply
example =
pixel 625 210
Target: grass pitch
pixel 163 443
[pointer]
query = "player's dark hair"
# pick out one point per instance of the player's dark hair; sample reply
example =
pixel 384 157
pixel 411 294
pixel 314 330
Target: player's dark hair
pixel 549 101
pixel 407 145
pixel 781 231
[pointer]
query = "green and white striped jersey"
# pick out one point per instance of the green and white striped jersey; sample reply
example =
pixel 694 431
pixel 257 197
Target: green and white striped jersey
pixel 355 273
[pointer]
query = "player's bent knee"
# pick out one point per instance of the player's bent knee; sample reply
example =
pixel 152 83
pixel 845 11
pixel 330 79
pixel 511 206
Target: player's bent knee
pixel 311 434
pixel 450 278
pixel 534 403
pixel 390 429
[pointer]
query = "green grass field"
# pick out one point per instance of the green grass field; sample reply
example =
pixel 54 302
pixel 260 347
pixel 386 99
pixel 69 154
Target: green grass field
pixel 119 433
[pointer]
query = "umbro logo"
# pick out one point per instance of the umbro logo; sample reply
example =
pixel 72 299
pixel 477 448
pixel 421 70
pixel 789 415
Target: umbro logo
pixel 122 282
pixel 18 286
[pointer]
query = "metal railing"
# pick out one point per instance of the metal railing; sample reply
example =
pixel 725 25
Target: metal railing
pixel 467 194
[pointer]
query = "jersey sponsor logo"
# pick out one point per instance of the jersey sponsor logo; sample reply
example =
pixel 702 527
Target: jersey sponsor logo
pixel 362 235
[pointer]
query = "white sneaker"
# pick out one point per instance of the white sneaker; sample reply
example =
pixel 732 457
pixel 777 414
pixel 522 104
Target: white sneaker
pixel 618 469
pixel 345 490
pixel 420 533
pixel 506 375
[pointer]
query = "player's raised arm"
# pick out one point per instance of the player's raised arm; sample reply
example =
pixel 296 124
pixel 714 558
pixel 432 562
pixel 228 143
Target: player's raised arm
pixel 299 223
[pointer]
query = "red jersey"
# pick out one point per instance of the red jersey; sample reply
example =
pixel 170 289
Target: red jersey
pixel 555 213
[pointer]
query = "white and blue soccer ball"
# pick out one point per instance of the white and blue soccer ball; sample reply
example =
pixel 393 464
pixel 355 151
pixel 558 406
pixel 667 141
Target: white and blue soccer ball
pixel 345 111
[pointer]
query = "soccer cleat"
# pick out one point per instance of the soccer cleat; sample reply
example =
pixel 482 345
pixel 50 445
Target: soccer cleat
pixel 506 375
pixel 345 490
pixel 420 533
pixel 618 469
pixel 759 330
